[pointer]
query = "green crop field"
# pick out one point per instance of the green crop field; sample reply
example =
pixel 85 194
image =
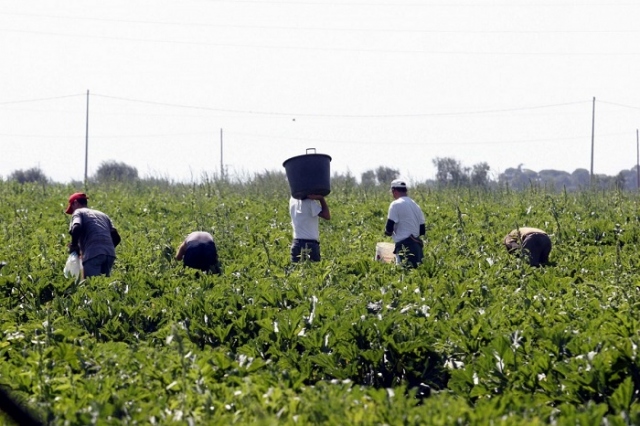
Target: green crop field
pixel 473 336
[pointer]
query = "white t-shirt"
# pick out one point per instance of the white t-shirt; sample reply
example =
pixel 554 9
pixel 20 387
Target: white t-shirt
pixel 304 218
pixel 407 216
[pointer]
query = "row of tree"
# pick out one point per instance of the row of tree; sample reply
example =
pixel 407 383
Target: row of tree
pixel 449 173
pixel 107 172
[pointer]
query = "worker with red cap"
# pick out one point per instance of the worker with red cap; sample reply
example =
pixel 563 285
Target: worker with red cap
pixel 93 236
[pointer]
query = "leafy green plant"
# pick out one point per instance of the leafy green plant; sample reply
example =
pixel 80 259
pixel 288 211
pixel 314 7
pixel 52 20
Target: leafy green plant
pixel 472 336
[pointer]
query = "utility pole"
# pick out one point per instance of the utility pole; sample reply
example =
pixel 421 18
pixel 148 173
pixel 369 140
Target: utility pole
pixel 221 161
pixel 86 145
pixel 637 160
pixel 593 125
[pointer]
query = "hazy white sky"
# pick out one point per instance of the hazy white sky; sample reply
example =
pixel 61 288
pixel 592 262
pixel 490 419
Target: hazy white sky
pixel 372 82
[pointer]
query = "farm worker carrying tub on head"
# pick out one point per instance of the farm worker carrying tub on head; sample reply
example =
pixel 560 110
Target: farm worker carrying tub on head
pixel 304 219
pixel 533 241
pixel 405 224
pixel 93 237
pixel 199 251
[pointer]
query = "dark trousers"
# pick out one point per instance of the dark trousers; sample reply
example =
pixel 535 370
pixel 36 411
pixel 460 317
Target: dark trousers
pixel 305 249
pixel 409 251
pixel 98 265
pixel 202 256
pixel 537 248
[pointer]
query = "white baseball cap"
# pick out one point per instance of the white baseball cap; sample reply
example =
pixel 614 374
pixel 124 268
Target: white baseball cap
pixel 398 183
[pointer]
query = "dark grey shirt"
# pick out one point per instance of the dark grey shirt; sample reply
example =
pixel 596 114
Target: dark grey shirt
pixel 95 235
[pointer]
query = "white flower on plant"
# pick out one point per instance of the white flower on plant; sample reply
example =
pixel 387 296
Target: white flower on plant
pixel 516 338
pixel 14 336
pixel 453 364
pixel 500 363
pixel 314 301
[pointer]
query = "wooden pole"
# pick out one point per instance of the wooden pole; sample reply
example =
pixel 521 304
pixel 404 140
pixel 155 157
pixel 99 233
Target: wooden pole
pixel 221 154
pixel 637 160
pixel 86 145
pixel 593 124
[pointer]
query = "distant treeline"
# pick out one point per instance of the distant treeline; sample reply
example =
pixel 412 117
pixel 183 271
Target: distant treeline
pixel 449 173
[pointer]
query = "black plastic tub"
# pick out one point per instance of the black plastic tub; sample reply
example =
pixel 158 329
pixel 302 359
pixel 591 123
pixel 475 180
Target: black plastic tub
pixel 309 174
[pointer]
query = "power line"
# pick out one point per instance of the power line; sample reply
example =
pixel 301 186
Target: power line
pixel 422 4
pixel 317 115
pixel 324 29
pixel 38 99
pixel 620 105
pixel 298 114
pixel 325 49
pixel 394 143
pixel 315 140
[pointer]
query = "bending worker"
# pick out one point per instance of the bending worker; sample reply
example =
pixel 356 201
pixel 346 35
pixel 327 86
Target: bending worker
pixel 534 242
pixel 198 251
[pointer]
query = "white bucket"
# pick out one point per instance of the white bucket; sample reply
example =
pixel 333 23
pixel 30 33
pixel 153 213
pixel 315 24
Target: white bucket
pixel 384 253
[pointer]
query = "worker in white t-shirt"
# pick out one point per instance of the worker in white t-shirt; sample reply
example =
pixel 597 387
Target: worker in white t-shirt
pixel 304 219
pixel 405 224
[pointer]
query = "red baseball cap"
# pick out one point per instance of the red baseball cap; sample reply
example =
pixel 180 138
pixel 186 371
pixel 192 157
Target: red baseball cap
pixel 75 197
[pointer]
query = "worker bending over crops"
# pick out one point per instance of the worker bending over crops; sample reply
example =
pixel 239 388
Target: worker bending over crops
pixel 534 243
pixel 198 251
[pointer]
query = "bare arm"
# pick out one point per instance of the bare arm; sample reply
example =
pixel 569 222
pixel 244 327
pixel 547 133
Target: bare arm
pixel 181 250
pixel 324 213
